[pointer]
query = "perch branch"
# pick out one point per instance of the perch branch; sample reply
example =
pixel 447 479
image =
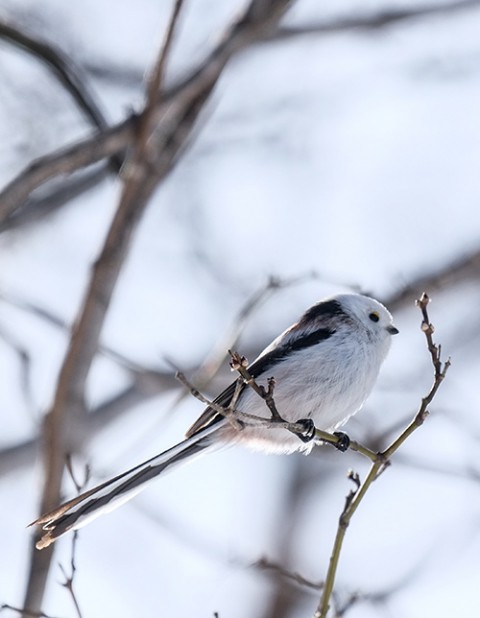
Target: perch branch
pixel 357 494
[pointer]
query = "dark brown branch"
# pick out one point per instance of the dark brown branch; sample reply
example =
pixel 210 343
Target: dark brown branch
pixel 115 140
pixel 62 67
pixel 68 409
pixel 25 612
pixel 368 23
pixel 143 175
pixel 267 565
pixel 259 19
pixel 100 146
pixel 371 23
pixel 54 197
pixel 462 269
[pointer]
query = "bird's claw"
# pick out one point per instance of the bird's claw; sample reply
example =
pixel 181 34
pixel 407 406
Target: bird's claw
pixel 307 432
pixel 343 442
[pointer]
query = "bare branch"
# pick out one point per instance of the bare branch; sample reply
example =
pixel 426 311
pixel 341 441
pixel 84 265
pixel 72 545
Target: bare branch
pixel 267 565
pixel 213 362
pixel 64 161
pixel 462 269
pixel 25 612
pixel 375 22
pixel 378 21
pixel 25 363
pixel 146 382
pixel 68 408
pixel 63 67
pixel 257 26
pixel 155 84
pixel 355 496
pixel 143 175
pixel 68 584
pixel 240 364
pixel 229 412
pixel 54 197
pixel 259 19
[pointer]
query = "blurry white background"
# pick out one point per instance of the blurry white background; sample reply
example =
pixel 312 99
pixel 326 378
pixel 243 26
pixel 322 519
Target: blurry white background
pixel 331 160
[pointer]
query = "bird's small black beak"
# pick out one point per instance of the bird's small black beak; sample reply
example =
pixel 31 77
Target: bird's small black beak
pixel 392 330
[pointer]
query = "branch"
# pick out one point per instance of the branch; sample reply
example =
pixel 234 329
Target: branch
pixel 299 428
pixel 25 364
pixel 101 145
pixel 146 124
pixel 154 153
pixel 61 66
pixel 356 495
pixel 26 613
pixel 214 360
pixel 240 364
pixel 461 269
pixel 266 565
pixel 377 21
pixel 228 411
pixel 146 382
pixel 259 19
pixel 144 386
pixel 36 207
pixel 68 584
pixel 257 27
pixel 303 429
pixel 68 409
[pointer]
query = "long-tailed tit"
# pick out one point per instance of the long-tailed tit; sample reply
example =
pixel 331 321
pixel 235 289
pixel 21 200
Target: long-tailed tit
pixel 324 367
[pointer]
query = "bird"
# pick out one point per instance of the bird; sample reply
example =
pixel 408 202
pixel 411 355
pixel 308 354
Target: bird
pixel 321 370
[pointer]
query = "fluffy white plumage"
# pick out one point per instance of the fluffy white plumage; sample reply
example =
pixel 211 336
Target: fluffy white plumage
pixel 328 381
pixel 324 367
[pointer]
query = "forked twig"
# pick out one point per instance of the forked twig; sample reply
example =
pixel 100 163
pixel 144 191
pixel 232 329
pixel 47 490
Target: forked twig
pixel 68 584
pixel 355 496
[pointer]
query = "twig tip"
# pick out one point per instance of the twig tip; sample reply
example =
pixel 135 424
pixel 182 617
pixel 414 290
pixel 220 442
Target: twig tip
pixel 423 300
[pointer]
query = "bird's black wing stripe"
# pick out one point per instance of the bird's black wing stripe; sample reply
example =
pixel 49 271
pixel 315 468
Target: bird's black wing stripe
pixel 264 363
pixel 324 309
pixel 311 339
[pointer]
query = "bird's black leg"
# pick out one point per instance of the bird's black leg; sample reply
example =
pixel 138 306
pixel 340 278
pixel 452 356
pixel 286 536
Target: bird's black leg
pixel 308 429
pixel 344 441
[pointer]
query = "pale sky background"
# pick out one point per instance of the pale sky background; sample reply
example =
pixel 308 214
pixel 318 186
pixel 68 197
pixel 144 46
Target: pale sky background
pixel 354 155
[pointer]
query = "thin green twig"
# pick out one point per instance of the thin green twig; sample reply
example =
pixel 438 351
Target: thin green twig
pixel 381 459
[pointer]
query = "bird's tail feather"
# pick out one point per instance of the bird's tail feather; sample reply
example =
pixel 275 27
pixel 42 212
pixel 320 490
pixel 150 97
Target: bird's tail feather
pixel 111 494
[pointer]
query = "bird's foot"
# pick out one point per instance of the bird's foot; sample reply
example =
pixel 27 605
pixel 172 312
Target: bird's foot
pixel 343 442
pixel 307 432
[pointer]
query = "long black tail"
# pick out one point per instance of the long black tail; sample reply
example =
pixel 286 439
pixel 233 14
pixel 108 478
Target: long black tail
pixel 111 494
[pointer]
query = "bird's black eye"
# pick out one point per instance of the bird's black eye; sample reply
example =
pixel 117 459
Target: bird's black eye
pixel 374 316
